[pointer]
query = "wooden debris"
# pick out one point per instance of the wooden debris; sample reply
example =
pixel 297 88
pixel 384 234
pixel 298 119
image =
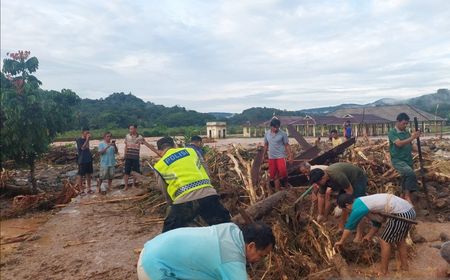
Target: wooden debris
pixel 76 243
pixel 115 200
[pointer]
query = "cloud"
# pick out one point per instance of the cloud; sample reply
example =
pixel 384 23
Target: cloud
pixel 231 55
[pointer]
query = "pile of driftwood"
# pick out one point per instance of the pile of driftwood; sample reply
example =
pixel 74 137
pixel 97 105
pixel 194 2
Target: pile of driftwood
pixel 304 246
pixel 61 155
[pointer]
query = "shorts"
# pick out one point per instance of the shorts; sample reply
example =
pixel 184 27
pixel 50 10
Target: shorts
pixel 85 168
pixel 409 179
pixel 132 165
pixel 107 172
pixel 396 230
pixel 209 208
pixel 277 168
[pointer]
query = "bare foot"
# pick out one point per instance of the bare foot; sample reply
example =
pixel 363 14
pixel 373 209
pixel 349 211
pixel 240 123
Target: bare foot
pixel 357 240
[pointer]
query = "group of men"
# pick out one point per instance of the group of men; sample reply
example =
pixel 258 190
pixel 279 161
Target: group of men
pixel 349 183
pixel 221 250
pixel 108 150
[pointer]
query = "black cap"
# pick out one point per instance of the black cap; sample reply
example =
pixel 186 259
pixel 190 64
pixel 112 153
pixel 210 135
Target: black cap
pixel 165 142
pixel 196 138
pixel 315 175
pixel 275 122
pixel 343 199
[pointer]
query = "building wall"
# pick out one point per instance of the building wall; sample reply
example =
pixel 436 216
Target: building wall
pixel 216 129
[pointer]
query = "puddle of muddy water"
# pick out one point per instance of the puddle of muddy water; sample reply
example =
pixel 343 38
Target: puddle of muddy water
pixel 15 227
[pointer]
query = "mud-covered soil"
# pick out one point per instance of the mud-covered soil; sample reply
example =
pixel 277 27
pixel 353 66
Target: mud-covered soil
pixel 82 241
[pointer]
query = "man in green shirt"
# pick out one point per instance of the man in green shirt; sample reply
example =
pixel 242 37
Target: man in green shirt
pixel 341 177
pixel 400 148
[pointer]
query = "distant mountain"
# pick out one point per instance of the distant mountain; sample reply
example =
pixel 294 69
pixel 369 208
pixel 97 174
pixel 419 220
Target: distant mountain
pixel 257 115
pixel 386 101
pixel 221 115
pixel 428 103
pixel 330 109
pixel 120 110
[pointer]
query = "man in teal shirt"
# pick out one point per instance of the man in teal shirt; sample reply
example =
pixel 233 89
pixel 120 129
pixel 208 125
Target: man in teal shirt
pixel 215 252
pixel 400 148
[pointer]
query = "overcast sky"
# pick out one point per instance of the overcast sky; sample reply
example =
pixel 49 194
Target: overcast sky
pixel 228 56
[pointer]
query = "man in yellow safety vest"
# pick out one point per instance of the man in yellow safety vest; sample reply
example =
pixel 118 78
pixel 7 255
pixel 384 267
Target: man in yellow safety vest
pixel 187 186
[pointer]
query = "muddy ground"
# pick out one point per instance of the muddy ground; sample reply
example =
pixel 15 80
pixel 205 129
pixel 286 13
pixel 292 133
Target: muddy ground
pixel 81 241
pixel 102 241
pixel 94 237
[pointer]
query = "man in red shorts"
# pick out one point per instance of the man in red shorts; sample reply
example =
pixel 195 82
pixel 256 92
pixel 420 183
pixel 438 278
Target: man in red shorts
pixel 276 142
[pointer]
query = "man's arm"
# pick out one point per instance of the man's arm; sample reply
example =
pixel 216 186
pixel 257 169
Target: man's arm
pixel 150 146
pixel 233 270
pixel 163 185
pixel 349 189
pixel 400 143
pixel 103 150
pixel 86 143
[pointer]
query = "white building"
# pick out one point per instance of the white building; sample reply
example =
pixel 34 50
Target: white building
pixel 216 129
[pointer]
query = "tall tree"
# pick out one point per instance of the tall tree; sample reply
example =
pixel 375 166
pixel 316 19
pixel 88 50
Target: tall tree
pixel 30 116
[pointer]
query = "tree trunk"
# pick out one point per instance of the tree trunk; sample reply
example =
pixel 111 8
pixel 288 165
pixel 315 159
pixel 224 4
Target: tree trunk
pixel 32 164
pixel 261 208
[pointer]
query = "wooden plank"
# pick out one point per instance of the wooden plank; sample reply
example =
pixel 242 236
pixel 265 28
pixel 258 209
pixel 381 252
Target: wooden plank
pixel 256 167
pixel 333 153
pixel 294 133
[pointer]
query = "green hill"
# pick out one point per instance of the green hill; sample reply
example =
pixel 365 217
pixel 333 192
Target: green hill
pixel 119 110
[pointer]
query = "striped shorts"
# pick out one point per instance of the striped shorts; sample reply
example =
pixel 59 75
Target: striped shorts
pixel 396 230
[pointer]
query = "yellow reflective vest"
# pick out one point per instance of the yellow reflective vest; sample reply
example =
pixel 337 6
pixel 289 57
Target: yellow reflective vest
pixel 183 172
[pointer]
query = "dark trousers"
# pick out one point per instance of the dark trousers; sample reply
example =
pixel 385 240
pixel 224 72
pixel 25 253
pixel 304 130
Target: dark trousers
pixel 209 208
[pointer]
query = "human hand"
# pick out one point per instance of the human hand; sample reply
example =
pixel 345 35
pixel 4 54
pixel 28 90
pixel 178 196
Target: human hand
pixel 338 245
pixel 367 238
pixel 416 134
pixel 321 218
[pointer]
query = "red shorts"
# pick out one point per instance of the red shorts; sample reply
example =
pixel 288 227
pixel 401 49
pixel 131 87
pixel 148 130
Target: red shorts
pixel 277 168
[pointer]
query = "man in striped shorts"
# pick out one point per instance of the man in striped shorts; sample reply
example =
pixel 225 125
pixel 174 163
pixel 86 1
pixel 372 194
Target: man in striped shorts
pixel 395 231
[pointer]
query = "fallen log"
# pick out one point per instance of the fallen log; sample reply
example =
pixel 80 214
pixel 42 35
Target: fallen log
pixel 14 190
pixel 138 197
pixel 261 208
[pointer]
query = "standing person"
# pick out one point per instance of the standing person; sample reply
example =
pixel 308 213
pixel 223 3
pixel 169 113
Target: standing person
pixel 186 184
pixel 215 252
pixel 400 148
pixel 341 177
pixel 276 143
pixel 347 130
pixel 133 142
pixel 85 168
pixel 395 231
pixel 108 151
pixel 335 139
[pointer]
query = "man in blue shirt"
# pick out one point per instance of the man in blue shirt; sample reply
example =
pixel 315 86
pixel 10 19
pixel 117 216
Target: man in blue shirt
pixel 215 252
pixel 108 151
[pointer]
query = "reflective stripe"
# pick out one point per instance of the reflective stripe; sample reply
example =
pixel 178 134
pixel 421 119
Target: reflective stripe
pixel 191 186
